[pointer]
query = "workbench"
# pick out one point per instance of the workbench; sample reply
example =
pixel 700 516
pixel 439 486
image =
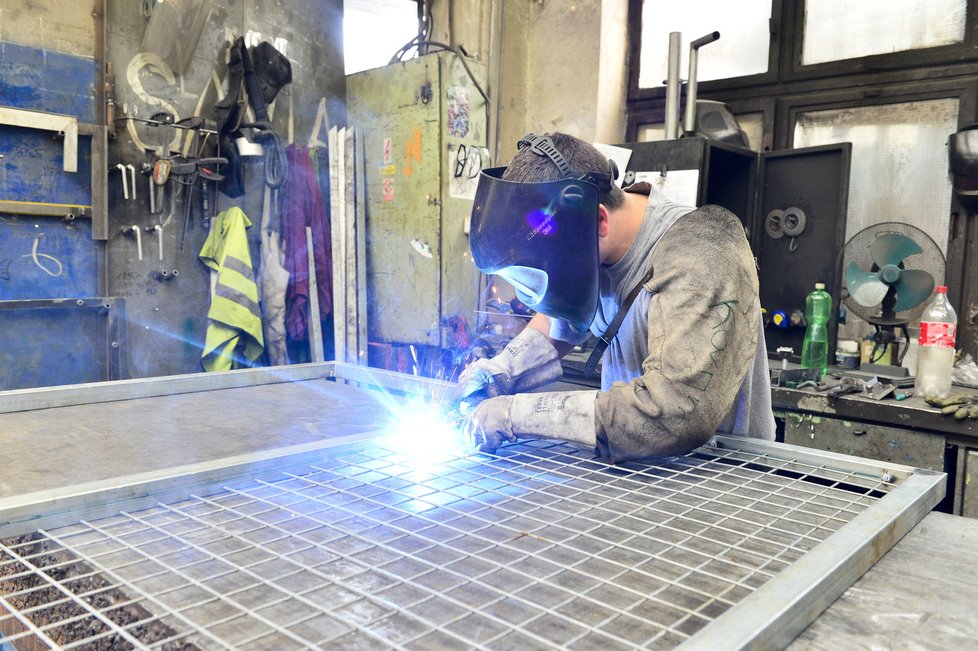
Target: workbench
pixel 263 509
pixel 909 432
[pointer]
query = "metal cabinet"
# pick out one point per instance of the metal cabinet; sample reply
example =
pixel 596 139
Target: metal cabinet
pixel 872 441
pixel 424 127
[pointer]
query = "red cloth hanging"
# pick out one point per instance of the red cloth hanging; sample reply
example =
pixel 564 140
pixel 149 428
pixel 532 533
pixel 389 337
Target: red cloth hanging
pixel 303 206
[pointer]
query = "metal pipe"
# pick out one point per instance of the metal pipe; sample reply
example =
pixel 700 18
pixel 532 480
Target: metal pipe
pixel 690 124
pixel 132 176
pixel 672 86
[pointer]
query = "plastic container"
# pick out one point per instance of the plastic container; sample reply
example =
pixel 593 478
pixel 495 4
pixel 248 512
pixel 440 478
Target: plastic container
pixel 815 345
pixel 935 347
pixel 847 354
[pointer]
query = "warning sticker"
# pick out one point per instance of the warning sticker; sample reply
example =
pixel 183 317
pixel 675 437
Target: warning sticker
pixel 388 189
pixel 388 156
pixel 388 170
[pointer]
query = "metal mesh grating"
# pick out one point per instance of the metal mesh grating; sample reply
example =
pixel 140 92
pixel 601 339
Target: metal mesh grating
pixel 536 547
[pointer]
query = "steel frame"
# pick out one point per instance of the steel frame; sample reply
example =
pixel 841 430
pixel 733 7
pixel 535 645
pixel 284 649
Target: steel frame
pixel 771 616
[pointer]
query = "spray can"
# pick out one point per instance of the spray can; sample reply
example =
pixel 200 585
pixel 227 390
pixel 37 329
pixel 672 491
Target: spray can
pixel 935 347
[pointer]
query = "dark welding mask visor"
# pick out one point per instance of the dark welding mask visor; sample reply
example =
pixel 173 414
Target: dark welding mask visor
pixel 542 238
pixel 962 152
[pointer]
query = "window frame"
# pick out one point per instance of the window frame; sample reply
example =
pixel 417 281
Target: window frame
pixel 789 88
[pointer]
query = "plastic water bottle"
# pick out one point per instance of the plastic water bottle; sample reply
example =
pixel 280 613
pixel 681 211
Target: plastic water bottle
pixel 815 346
pixel 935 347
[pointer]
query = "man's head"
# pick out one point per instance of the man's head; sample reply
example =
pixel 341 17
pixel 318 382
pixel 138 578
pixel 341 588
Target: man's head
pixel 528 166
pixel 538 224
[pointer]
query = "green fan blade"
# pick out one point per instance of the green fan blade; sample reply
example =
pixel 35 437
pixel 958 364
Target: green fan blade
pixel 892 248
pixel 864 287
pixel 913 288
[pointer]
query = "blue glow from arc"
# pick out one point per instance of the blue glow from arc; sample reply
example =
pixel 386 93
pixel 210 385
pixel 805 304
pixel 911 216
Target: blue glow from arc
pixel 542 222
pixel 424 429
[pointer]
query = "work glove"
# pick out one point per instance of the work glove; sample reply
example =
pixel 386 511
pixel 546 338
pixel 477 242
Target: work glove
pixel 527 362
pixel 567 415
pixel 959 405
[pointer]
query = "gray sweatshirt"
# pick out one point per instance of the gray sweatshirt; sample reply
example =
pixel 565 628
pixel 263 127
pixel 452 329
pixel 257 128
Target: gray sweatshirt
pixel 690 358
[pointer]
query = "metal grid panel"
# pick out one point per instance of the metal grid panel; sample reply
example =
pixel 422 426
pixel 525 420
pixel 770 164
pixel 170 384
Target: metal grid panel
pixel 536 547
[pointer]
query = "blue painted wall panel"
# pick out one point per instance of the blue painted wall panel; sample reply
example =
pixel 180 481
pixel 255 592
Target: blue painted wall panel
pixel 31 168
pixel 63 264
pixel 43 80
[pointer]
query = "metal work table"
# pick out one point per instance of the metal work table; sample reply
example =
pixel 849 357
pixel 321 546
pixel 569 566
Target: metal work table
pixel 262 509
pixel 906 431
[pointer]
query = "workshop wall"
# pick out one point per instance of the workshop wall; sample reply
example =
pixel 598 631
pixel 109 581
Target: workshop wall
pixel 167 311
pixel 553 66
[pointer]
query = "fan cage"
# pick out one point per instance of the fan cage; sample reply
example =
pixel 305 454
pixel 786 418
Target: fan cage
pixel 858 250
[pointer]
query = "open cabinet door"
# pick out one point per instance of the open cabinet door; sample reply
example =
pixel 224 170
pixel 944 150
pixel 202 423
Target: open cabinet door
pixel 799 230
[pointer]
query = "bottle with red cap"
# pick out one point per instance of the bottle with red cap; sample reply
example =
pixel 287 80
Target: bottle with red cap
pixel 935 348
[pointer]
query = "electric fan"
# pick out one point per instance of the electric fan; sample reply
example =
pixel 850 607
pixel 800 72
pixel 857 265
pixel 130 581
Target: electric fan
pixel 890 271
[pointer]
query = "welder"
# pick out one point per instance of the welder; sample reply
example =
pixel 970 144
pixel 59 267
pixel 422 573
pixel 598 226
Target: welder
pixel 670 291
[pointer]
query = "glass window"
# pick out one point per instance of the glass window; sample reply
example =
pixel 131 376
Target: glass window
pixel 374 30
pixel 751 123
pixel 741 50
pixel 843 29
pixel 899 161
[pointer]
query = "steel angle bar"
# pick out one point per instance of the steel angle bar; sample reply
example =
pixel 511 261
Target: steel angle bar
pixel 20 514
pixel 391 380
pixel 95 392
pixel 784 452
pixel 778 611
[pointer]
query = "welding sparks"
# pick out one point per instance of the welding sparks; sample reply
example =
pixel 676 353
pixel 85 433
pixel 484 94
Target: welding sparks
pixel 421 428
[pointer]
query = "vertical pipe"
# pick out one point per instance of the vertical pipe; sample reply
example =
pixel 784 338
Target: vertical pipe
pixel 672 86
pixel 690 124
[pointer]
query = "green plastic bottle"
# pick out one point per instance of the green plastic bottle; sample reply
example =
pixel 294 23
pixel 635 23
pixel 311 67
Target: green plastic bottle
pixel 815 346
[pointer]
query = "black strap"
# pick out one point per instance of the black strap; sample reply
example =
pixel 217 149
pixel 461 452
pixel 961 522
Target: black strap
pixel 544 146
pixel 605 340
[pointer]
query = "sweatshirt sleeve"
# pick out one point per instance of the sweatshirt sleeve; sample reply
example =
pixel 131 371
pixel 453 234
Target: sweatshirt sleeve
pixel 702 336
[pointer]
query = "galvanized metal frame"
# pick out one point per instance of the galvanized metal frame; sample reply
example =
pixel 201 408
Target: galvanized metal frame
pixel 771 616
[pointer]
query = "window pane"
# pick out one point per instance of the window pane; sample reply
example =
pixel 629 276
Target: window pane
pixel 751 123
pixel 899 161
pixel 843 29
pixel 741 50
pixel 373 31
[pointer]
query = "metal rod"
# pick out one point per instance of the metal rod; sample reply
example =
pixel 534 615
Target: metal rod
pixel 98 392
pixel 672 86
pixel 315 325
pixel 690 124
pixel 55 507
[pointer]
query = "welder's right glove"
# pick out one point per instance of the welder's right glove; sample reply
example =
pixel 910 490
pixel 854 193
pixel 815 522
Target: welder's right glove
pixel 527 362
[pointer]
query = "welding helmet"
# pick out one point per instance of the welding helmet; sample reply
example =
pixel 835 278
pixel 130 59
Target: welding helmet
pixel 542 237
pixel 962 152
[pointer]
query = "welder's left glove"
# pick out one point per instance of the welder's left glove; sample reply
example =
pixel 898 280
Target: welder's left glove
pixel 567 415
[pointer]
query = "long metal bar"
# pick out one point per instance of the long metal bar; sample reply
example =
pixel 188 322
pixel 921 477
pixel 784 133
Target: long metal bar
pixel 360 278
pixel 20 514
pixel 879 470
pixel 690 124
pixel 95 392
pixel 777 612
pixel 43 209
pixel 391 380
pixel 672 86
